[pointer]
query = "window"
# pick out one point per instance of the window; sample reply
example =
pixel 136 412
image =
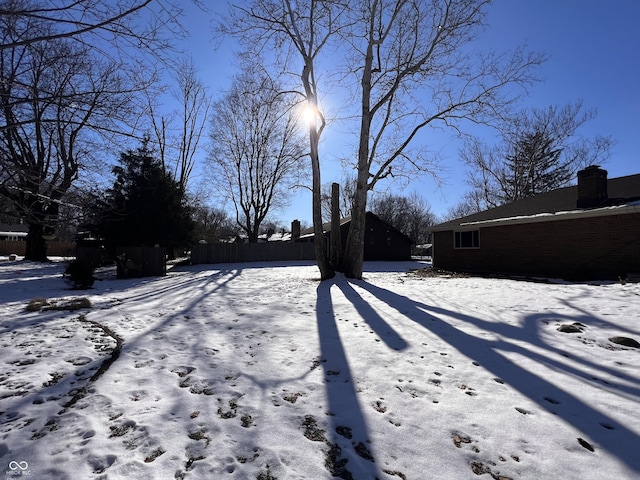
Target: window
pixel 470 239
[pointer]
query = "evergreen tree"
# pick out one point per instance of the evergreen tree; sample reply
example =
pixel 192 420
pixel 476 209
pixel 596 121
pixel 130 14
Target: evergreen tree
pixel 145 206
pixel 534 166
pixel 538 150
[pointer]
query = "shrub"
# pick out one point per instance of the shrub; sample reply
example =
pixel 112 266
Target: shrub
pixel 79 274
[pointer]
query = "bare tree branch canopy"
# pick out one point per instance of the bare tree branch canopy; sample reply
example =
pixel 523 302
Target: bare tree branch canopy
pixel 347 190
pixel 410 214
pixel 75 18
pixel 295 32
pixel 416 69
pixel 177 146
pixel 415 66
pixel 52 96
pixel 71 81
pixel 539 150
pixel 257 148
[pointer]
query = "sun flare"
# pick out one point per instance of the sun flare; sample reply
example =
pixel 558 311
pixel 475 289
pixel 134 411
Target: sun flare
pixel 309 115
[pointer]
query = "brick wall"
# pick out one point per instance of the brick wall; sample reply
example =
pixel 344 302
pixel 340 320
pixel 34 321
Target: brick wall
pixel 597 247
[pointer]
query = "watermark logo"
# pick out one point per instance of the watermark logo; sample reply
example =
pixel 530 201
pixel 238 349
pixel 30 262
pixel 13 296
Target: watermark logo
pixel 17 469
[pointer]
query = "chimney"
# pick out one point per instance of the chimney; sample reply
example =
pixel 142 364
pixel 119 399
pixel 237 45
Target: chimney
pixel 592 187
pixel 295 230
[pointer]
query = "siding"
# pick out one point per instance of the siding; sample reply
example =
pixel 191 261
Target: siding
pixel 598 247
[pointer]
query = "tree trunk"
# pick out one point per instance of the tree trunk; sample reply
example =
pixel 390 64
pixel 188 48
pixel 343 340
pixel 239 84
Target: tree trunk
pixel 326 271
pixel 336 236
pixel 36 248
pixel 354 251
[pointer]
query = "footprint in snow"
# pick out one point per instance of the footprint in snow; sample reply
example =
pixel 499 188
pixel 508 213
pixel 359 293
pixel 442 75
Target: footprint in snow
pixel 78 361
pixel 182 371
pixel 523 411
pixel 101 463
pixel 379 406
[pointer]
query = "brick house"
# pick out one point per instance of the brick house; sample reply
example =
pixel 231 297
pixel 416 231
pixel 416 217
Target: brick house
pixel 590 230
pixel 381 240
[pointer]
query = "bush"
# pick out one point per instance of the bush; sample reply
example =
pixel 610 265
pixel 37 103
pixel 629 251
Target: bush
pixel 79 274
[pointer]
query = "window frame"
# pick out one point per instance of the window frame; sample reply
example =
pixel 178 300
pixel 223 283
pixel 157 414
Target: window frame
pixel 459 242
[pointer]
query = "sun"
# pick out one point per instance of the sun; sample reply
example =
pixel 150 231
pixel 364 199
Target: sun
pixel 309 115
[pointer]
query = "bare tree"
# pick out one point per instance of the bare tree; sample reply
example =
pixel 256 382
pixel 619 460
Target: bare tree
pixel 56 98
pixel 88 20
pixel 177 147
pixel 539 150
pixel 469 204
pixel 213 224
pixel 416 70
pixel 300 31
pixel 347 190
pixel 410 214
pixel 72 74
pixel 257 148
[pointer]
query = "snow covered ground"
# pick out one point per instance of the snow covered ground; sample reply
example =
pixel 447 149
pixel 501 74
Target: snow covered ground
pixel 259 371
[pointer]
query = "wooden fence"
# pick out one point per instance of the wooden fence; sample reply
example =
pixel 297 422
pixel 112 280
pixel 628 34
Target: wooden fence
pixel 54 249
pixel 141 262
pixel 251 252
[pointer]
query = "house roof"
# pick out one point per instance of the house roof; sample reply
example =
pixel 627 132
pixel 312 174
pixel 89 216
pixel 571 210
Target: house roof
pixel 623 193
pixel 15 230
pixel 326 227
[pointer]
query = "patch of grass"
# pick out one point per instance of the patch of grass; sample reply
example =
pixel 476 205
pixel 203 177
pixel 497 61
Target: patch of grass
pixel 155 454
pixel 36 304
pixel 311 430
pixel 200 435
pixel 335 464
pixel 76 304
pixel 266 475
pixel 395 473
pixel 189 466
pixel 247 421
pixel 229 413
pixel 55 378
pixel 67 304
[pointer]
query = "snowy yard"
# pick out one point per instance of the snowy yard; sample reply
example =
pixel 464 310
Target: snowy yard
pixel 258 371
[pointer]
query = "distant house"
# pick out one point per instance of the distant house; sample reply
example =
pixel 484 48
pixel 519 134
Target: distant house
pixel 591 230
pixel 381 240
pixel 13 231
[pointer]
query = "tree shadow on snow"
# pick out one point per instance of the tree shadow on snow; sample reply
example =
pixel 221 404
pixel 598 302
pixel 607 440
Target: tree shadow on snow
pixel 344 407
pixel 596 425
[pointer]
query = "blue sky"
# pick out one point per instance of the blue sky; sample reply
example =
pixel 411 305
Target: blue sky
pixel 593 57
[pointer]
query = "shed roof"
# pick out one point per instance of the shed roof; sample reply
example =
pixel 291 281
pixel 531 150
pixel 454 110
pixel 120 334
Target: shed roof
pixel 326 227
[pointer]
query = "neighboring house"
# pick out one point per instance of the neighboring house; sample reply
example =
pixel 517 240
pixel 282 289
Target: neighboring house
pixel 381 240
pixel 590 230
pixel 13 231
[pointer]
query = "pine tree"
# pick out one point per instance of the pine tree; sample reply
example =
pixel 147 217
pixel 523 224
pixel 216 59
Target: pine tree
pixel 533 167
pixel 145 206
